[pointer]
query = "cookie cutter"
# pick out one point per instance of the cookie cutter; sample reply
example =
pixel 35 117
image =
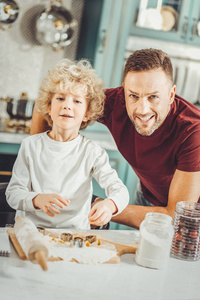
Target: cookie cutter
pixel 77 242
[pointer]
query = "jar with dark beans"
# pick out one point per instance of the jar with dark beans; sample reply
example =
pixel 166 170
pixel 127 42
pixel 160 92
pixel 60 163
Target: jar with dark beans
pixel 186 240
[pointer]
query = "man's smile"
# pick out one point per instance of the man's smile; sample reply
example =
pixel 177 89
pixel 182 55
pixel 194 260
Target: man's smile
pixel 145 119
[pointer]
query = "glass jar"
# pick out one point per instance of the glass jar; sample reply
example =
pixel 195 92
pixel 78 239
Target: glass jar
pixel 156 233
pixel 186 240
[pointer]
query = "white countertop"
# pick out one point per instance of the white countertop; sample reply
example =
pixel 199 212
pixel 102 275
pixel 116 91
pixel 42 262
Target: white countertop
pixel 23 280
pixel 103 139
pixel 12 138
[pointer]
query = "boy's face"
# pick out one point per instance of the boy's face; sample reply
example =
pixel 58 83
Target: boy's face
pixel 68 110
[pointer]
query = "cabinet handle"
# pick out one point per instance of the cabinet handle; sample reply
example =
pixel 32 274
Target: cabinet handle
pixel 185 27
pixel 194 29
pixel 102 40
pixel 6 173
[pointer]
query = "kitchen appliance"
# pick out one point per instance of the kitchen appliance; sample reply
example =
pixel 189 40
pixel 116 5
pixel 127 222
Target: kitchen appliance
pixel 55 26
pixel 9 11
pixel 20 112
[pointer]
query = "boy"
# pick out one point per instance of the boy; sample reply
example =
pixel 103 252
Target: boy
pixel 52 177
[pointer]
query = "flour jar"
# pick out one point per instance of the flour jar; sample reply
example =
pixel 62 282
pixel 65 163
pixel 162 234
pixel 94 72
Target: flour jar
pixel 156 233
pixel 186 240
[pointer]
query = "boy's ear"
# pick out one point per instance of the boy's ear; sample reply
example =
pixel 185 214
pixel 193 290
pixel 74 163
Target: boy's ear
pixel 49 109
pixel 87 117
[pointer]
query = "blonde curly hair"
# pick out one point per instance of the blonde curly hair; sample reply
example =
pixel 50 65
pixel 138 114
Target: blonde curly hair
pixel 66 76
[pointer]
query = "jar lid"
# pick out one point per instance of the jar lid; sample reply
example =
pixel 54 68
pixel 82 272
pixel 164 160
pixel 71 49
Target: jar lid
pixel 188 209
pixel 158 218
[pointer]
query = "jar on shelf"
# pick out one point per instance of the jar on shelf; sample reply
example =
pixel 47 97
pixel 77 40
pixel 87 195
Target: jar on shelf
pixel 186 240
pixel 156 233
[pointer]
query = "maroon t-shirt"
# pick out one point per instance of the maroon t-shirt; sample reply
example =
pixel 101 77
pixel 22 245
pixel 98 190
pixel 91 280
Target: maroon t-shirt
pixel 174 145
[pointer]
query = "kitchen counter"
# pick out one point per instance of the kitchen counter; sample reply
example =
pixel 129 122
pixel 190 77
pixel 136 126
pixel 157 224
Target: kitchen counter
pixel 126 280
pixel 103 139
pixel 12 138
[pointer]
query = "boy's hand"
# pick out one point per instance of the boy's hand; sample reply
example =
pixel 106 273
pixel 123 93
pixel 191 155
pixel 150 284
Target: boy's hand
pixel 101 212
pixel 46 202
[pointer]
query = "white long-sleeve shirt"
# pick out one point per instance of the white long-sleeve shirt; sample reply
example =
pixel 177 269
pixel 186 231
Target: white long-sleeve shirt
pixel 65 168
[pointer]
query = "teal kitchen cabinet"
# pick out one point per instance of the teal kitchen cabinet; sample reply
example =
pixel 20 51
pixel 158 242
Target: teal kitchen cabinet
pixel 114 28
pixel 194 26
pixel 107 24
pixel 104 31
pixel 9 148
pixel 185 13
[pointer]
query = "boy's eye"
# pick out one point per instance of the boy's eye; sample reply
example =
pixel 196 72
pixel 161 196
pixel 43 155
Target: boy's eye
pixel 60 98
pixel 77 101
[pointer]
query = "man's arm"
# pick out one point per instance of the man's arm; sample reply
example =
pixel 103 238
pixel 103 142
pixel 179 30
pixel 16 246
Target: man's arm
pixel 185 186
pixel 38 123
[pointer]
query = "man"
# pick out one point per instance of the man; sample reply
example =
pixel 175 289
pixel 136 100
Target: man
pixel 156 131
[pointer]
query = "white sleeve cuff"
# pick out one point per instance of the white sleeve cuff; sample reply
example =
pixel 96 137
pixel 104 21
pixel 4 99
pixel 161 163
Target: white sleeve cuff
pixel 120 203
pixel 28 203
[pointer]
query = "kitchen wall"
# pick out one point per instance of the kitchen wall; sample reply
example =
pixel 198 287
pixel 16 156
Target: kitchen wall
pixel 24 62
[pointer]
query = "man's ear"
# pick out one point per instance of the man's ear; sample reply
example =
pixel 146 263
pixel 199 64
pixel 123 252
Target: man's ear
pixel 172 94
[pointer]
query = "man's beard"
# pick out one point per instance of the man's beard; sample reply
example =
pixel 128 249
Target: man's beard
pixel 150 131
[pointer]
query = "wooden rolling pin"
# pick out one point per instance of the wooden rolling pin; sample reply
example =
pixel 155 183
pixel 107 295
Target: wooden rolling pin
pixel 31 241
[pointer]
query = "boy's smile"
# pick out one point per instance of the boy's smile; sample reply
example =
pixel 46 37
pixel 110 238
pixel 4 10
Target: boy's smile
pixel 66 116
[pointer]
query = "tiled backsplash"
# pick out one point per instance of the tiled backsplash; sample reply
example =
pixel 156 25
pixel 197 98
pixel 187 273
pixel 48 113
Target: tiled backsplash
pixel 24 62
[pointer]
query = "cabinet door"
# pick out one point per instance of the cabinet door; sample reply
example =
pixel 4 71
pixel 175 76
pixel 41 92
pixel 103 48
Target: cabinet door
pixel 112 36
pixel 176 16
pixel 194 25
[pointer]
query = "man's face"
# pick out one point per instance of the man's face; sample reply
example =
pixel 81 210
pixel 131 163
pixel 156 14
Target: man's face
pixel 148 96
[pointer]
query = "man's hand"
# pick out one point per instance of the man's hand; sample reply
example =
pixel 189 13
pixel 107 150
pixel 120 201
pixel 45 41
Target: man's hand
pixel 101 212
pixel 46 202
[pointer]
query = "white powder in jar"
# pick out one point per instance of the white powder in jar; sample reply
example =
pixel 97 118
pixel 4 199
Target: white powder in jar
pixel 153 252
pixel 156 232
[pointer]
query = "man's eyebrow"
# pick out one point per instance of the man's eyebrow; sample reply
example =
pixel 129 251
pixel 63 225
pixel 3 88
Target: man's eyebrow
pixel 132 92
pixel 151 93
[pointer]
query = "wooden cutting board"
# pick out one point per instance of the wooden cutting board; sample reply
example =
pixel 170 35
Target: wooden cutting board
pixel 121 248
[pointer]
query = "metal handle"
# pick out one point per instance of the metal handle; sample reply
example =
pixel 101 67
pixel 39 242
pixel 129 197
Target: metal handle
pixel 102 40
pixel 194 29
pixel 6 173
pixel 185 27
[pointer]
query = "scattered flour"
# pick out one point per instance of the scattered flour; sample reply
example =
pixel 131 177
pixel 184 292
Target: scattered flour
pixel 94 254
pixel 31 240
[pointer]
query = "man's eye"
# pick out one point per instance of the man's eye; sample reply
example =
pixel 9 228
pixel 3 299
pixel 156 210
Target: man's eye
pixel 153 97
pixel 132 96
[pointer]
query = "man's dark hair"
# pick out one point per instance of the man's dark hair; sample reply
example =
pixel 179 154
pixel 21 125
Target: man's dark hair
pixel 149 59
